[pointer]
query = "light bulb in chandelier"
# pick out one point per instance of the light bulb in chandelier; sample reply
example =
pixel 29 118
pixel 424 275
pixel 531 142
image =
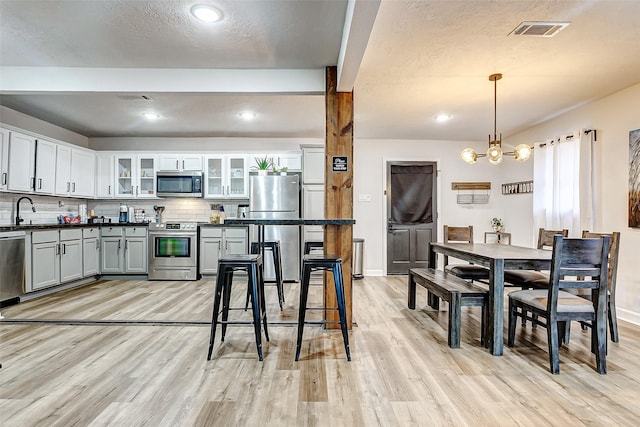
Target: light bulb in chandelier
pixel 522 152
pixel 469 155
pixel 494 153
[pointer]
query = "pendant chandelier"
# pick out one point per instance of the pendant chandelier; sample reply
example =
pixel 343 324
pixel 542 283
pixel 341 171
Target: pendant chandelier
pixel 495 153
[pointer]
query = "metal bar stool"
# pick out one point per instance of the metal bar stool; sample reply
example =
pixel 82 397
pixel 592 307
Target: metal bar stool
pixel 312 244
pixel 332 263
pixel 252 264
pixel 274 246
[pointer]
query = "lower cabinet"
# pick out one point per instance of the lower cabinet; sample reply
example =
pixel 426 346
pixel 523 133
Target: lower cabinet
pixel 219 241
pixel 55 255
pixel 124 250
pixel 90 251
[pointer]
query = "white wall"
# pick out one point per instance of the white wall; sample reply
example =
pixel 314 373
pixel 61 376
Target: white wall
pixel 14 118
pixel 370 157
pixel 613 117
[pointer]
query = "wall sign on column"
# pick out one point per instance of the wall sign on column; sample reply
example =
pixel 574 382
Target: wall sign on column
pixel 339 163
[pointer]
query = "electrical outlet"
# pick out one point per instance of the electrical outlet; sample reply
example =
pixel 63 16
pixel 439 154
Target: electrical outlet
pixel 364 197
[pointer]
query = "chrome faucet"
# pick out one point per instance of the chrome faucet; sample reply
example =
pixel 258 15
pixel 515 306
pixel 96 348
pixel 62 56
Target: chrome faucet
pixel 18 219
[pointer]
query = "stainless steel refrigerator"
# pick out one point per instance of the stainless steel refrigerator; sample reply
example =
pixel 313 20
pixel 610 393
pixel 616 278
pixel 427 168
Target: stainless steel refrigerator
pixel 278 196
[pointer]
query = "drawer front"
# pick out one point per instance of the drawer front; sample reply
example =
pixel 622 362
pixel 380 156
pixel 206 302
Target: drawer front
pixel 44 236
pixel 235 232
pixel 211 232
pixel 112 231
pixel 135 231
pixel 90 232
pixel 74 234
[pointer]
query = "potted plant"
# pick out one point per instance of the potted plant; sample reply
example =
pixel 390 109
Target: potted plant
pixel 263 164
pixel 497 224
pixel 283 171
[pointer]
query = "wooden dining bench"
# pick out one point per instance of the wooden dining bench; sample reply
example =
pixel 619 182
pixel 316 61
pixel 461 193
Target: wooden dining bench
pixel 456 291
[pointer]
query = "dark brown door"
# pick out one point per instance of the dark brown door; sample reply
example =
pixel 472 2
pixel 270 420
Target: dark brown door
pixel 411 214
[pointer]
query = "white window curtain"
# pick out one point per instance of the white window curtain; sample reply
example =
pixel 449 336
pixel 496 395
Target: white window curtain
pixel 563 195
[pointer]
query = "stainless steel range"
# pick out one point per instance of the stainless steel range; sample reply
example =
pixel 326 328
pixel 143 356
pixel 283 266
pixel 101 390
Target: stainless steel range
pixel 173 251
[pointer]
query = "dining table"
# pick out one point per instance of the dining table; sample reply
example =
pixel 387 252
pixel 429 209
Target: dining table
pixel 497 258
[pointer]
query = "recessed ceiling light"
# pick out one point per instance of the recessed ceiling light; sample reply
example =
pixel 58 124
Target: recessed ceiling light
pixel 247 115
pixel 151 116
pixel 206 13
pixel 441 118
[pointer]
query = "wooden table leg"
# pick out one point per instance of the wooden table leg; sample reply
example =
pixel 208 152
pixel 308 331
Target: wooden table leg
pixel 496 307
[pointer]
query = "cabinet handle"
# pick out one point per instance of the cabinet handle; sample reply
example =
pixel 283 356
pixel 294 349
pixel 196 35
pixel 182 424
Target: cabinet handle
pixel 58 249
pixel 64 249
pixel 4 178
pixel 33 183
pixel 183 164
pixel 109 190
pixel 39 183
pixel 126 245
pixel 219 245
pixel 119 245
pixel 97 245
pixel 226 246
pixel 177 164
pixel 68 187
pixel 74 187
pixel 136 190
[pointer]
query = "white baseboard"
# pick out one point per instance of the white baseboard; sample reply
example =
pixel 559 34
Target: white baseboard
pixel 628 316
pixel 377 273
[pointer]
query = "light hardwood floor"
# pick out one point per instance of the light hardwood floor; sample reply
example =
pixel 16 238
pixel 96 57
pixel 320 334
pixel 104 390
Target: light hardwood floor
pixel 133 353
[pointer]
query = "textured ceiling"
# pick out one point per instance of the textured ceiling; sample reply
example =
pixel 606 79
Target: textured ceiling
pixel 423 58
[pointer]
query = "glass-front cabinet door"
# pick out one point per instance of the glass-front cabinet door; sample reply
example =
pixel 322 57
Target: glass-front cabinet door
pixel 147 177
pixel 237 177
pixel 125 176
pixel 136 176
pixel 214 181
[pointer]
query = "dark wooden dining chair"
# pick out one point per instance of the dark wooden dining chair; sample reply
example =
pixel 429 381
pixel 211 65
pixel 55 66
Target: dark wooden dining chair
pixel 575 264
pixel 611 284
pixel 464 271
pixel 527 279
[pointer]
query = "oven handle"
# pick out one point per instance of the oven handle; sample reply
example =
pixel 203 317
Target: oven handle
pixel 170 234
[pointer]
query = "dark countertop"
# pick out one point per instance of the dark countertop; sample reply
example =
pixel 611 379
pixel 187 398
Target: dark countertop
pixel 225 224
pixel 36 227
pixel 293 221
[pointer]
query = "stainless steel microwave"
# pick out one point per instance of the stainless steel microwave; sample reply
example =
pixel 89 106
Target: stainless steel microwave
pixel 179 184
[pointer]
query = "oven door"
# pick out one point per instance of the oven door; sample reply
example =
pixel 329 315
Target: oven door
pixel 172 249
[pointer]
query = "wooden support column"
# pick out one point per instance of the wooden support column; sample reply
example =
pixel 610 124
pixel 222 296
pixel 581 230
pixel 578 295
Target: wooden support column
pixel 338 199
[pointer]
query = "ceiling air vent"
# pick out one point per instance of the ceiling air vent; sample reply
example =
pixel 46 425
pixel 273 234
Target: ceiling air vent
pixel 135 98
pixel 539 28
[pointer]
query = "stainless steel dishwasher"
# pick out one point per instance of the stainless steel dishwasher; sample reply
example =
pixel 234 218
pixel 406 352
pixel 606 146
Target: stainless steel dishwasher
pixel 11 267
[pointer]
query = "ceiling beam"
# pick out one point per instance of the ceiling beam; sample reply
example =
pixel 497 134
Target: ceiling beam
pixel 23 80
pixel 358 23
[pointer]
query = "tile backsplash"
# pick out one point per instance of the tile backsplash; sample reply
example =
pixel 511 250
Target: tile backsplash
pixel 49 208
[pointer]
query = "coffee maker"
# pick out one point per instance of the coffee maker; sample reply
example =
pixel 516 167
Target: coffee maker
pixel 243 211
pixel 124 213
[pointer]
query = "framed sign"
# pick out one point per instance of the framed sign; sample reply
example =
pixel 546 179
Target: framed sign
pixel 339 163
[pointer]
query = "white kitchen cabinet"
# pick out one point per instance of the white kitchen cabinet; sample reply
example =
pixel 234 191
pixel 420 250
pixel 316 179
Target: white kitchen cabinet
pixel 4 158
pixel 226 177
pixel 292 161
pixel 180 162
pixel 105 176
pixel 45 167
pixel 219 241
pixel 55 255
pixel 124 250
pixel 21 164
pixel 313 164
pixel 75 172
pixel 135 176
pixel 90 251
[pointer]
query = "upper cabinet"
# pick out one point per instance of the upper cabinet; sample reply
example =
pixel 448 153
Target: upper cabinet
pixel 135 176
pixel 75 172
pixel 291 161
pixel 45 167
pixel 313 164
pixel 4 158
pixel 105 176
pixel 21 163
pixel 226 176
pixel 179 162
